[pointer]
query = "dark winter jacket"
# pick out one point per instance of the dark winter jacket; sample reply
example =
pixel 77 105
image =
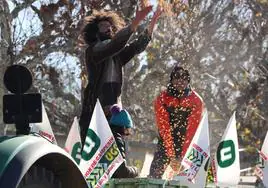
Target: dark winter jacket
pixel 98 59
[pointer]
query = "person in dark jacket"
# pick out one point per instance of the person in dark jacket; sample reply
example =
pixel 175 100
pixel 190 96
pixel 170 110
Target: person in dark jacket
pixel 109 49
pixel 178 111
pixel 121 126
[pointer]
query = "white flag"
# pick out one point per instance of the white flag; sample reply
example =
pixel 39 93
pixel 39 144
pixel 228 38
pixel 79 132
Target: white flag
pixel 265 174
pixel 145 171
pixel 226 162
pixel 44 128
pixel 264 156
pixel 73 142
pixel 198 151
pixel 196 158
pixel 100 155
pixel 200 178
pixel 264 148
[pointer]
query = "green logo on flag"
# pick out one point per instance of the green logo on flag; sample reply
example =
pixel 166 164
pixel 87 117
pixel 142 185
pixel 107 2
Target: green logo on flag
pixel 196 157
pixel 76 152
pixel 92 143
pixel 226 153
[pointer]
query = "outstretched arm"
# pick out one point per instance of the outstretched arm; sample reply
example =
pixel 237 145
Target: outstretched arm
pixel 140 44
pixel 163 125
pixel 135 47
pixel 155 18
pixel 111 47
pixel 140 15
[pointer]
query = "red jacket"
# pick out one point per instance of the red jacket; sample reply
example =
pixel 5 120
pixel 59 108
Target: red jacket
pixel 188 109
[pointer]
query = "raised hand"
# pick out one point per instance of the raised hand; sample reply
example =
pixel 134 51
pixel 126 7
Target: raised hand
pixel 155 17
pixel 144 3
pixel 140 15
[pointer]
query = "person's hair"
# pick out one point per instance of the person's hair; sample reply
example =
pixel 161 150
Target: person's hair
pixel 180 72
pixel 91 22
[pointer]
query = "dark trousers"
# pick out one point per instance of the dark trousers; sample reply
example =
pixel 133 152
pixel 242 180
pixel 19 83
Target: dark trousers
pixel 160 161
pixel 109 95
pixel 88 104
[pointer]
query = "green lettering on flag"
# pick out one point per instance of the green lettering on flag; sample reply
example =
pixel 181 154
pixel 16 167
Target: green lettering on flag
pixel 96 174
pixel 76 152
pixel 92 143
pixel 112 153
pixel 226 153
pixel 196 157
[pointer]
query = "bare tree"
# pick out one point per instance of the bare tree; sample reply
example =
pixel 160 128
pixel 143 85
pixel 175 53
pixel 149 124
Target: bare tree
pixel 5 55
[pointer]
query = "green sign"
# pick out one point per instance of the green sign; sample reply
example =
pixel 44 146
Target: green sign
pixel 226 153
pixel 76 152
pixel 92 143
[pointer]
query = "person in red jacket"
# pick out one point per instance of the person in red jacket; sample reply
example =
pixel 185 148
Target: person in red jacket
pixel 178 111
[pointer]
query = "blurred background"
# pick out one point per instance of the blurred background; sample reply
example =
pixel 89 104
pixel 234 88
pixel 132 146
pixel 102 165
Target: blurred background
pixel 223 43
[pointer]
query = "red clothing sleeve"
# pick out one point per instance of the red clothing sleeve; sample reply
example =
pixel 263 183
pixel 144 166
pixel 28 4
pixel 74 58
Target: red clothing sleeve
pixel 193 120
pixel 163 124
